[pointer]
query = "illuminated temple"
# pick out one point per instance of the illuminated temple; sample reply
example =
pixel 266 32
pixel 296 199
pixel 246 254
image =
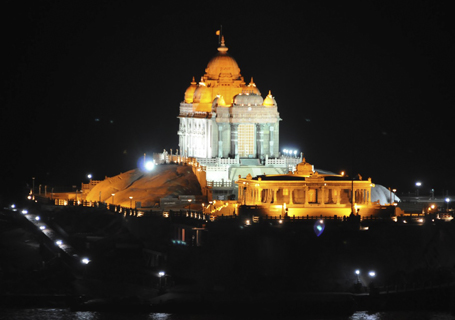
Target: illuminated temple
pixel 231 132
pixel 229 128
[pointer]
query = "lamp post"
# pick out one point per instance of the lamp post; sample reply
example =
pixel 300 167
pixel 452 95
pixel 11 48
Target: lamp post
pixel 131 201
pixel 189 205
pixel 392 196
pixel 372 275
pixel 447 201
pixel 161 274
pixel 113 195
pixel 357 272
pixel 418 184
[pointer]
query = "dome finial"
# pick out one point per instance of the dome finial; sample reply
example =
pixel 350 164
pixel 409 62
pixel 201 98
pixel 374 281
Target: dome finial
pixel 222 48
pixel 219 33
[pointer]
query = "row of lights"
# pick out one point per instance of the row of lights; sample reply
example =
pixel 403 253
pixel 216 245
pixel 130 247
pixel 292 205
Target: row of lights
pixel 58 242
pixel 419 184
pixel 371 274
pixel 289 152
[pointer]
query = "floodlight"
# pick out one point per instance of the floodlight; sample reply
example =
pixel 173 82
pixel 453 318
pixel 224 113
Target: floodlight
pixel 149 165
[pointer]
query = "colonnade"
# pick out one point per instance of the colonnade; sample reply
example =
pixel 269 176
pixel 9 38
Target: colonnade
pixel 304 195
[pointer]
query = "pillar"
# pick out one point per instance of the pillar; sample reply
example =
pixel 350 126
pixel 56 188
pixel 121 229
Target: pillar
pixel 234 140
pixel 260 140
pixel 322 196
pixel 306 195
pixel 220 141
pixel 271 141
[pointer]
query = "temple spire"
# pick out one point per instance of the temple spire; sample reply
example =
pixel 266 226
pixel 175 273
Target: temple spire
pixel 222 47
pixel 219 33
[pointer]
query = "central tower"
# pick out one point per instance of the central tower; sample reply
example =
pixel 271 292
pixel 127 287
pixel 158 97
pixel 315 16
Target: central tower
pixel 223 117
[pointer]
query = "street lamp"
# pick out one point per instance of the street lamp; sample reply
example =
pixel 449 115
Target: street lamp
pixel 447 200
pixel 161 274
pixel 113 195
pixel 131 201
pixel 189 206
pixel 357 272
pixel 418 184
pixel 392 196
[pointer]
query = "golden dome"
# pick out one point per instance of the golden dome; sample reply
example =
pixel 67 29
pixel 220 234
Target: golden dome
pixel 222 65
pixel 269 101
pixel 251 88
pixel 202 99
pixel 189 93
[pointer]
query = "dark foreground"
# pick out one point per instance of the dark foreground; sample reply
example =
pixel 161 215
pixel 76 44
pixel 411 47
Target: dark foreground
pixel 258 270
pixel 55 313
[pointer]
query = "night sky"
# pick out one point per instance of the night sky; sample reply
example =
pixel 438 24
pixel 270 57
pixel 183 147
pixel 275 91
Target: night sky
pixel 364 87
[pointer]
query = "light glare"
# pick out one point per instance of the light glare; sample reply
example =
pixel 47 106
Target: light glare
pixel 149 165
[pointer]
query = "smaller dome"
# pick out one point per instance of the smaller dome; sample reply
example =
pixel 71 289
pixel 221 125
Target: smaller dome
pixel 202 94
pixel 189 93
pixel 251 88
pixel 248 99
pixel 269 101
pixel 202 99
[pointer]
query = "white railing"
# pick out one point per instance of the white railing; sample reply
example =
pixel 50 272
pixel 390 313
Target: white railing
pixel 283 161
pixel 218 161
pixel 216 168
pixel 228 161
pixel 207 160
pixel 275 161
pixel 220 184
